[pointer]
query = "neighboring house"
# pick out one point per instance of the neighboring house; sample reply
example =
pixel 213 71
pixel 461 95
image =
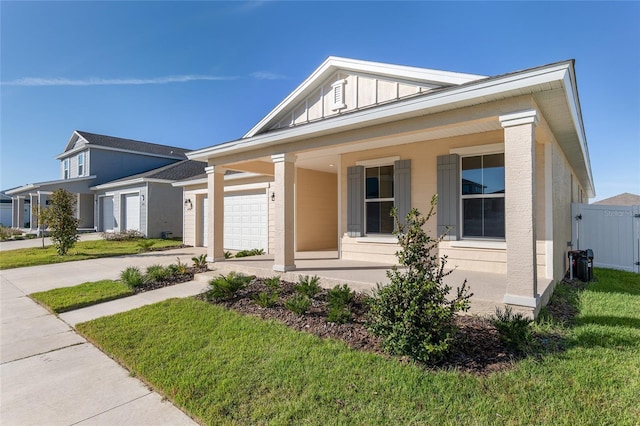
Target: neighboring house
pixel 624 199
pixel 89 160
pixel 507 155
pixel 146 202
pixel 5 210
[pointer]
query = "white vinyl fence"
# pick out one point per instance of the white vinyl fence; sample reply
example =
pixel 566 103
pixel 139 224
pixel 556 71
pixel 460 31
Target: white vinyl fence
pixel 612 232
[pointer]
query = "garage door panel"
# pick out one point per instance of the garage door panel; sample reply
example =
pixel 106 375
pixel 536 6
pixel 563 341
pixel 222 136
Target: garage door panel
pixel 132 212
pixel 246 221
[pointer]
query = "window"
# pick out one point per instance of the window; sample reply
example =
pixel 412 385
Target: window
pixel 483 189
pixel 379 199
pixel 81 164
pixel 65 168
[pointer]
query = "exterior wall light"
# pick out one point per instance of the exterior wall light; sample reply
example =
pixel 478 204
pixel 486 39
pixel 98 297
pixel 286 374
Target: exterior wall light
pixel 273 196
pixel 188 204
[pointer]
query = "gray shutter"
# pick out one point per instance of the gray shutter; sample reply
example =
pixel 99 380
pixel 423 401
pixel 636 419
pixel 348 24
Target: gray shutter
pixel 448 212
pixel 402 188
pixel 355 201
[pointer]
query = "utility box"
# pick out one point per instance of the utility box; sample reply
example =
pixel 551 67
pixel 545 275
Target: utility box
pixel 581 264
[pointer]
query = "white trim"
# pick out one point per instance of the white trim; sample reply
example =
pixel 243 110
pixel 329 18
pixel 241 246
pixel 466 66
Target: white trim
pixel 383 239
pixel 70 153
pixel 246 187
pixel 376 162
pixel 494 148
pixel 202 181
pixel 479 244
pixel 519 118
pixel 282 157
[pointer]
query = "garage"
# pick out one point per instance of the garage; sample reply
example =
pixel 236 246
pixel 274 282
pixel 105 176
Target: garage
pixel 246 221
pixel 108 221
pixel 131 210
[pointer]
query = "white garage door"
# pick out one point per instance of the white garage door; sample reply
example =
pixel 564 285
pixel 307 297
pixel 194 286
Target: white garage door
pixel 107 214
pixel 205 221
pixel 132 212
pixel 246 221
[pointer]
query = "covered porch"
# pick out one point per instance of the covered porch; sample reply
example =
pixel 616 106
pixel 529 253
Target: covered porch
pixel 488 288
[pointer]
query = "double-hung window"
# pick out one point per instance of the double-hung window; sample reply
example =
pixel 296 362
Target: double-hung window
pixel 81 164
pixel 65 168
pixel 482 193
pixel 379 199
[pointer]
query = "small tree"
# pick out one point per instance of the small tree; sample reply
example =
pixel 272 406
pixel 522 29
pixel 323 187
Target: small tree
pixel 61 220
pixel 414 314
pixel 42 215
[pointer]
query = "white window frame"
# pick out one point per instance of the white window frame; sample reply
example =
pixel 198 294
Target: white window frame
pixel 377 200
pixel 65 168
pixel 81 158
pixel 477 153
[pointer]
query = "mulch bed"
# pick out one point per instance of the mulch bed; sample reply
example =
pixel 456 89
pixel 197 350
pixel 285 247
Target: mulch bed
pixel 173 280
pixel 477 348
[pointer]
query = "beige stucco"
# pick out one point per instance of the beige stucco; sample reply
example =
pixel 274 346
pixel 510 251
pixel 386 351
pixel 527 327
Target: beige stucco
pixel 316 210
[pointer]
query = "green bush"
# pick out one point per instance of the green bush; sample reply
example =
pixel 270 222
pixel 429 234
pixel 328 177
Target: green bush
pixel 413 314
pixel 132 277
pixel 228 255
pixel 273 284
pixel 338 300
pixel 122 235
pixel 339 315
pixel 178 268
pixel 514 329
pixel 266 299
pixel 308 286
pixel 145 245
pixel 157 273
pixel 200 261
pixel 60 220
pixel 224 287
pixel 298 303
pixel 252 252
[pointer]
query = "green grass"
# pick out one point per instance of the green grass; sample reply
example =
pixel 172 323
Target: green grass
pixel 81 251
pixel 225 368
pixel 86 294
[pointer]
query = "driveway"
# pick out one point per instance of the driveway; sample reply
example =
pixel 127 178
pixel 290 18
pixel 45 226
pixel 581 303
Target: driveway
pixel 50 374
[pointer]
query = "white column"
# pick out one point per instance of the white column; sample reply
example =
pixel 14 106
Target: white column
pixel 17 211
pixel 215 213
pixel 520 212
pixel 283 190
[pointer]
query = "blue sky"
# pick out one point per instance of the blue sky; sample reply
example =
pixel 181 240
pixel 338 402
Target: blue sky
pixel 195 74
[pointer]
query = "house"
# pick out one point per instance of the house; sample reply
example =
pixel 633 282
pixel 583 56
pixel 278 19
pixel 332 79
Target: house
pixel 89 162
pixel 506 154
pixel 624 199
pixel 145 202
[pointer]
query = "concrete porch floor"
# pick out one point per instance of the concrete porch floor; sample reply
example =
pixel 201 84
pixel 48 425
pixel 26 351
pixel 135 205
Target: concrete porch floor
pixel 488 289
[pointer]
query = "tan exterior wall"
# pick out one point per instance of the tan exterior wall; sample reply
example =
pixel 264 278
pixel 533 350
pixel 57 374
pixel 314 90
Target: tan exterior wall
pixel 191 218
pixel 423 156
pixel 316 210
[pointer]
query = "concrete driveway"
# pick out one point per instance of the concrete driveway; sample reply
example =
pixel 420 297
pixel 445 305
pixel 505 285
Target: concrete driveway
pixel 53 376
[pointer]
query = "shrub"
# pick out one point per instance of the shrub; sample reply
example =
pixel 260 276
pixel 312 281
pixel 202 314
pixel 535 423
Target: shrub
pixel 200 262
pixel 224 287
pixel 178 268
pixel 273 284
pixel 122 235
pixel 515 329
pixel 253 252
pixel 413 314
pixel 132 277
pixel 308 286
pixel 145 245
pixel 338 300
pixel 266 299
pixel 60 218
pixel 298 303
pixel 157 273
pixel 227 255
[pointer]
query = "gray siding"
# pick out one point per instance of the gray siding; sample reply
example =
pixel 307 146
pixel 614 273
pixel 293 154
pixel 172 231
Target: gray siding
pixel 164 210
pixel 402 188
pixel 448 212
pixel 112 165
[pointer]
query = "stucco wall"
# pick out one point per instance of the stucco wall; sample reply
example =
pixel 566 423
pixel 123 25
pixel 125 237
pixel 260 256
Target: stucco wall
pixel 192 225
pixel 316 210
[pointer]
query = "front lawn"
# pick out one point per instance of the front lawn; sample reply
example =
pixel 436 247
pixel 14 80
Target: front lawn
pixel 81 251
pixel 86 294
pixel 226 368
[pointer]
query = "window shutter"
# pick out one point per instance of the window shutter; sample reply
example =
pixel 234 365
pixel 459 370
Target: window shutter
pixel 448 213
pixel 402 188
pixel 355 201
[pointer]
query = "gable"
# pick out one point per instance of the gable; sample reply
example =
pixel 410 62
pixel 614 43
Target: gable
pixel 343 85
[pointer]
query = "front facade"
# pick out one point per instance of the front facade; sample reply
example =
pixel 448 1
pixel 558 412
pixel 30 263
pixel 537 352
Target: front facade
pixel 89 160
pixel 506 156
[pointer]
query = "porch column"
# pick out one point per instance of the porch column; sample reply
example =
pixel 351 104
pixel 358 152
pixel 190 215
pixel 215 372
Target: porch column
pixel 520 211
pixel 283 191
pixel 215 213
pixel 17 212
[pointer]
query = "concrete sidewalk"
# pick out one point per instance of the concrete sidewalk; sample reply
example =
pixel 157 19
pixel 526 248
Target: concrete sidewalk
pixel 51 375
pixel 37 242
